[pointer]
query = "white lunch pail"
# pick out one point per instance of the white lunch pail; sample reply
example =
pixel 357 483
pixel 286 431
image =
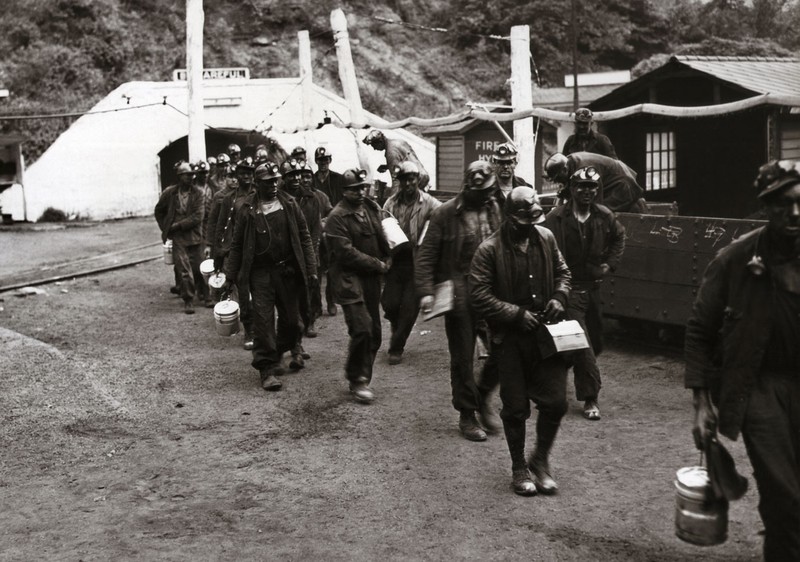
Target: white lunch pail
pixel 207 269
pixel 167 246
pixel 226 317
pixel 216 281
pixel 394 234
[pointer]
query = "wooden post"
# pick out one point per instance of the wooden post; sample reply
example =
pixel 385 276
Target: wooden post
pixel 347 75
pixel 194 79
pixel 522 99
pixel 306 86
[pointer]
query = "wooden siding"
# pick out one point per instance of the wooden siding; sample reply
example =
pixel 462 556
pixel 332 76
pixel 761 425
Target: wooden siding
pixel 790 139
pixel 449 162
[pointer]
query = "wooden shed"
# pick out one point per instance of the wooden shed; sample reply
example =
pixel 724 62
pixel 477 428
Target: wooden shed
pixel 706 162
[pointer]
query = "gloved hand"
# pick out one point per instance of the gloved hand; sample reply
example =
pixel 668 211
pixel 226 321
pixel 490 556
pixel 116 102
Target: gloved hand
pixel 553 310
pixel 705 419
pixel 426 303
pixel 529 321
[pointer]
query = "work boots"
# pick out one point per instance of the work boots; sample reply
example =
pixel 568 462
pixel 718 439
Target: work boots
pixel 521 481
pixel 469 427
pixel 487 416
pixel 546 430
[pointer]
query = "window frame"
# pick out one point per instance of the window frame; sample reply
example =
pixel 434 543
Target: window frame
pixel 660 160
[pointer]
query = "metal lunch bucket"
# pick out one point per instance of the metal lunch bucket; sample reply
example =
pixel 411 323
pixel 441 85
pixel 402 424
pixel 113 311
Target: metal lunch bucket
pixel 207 269
pixel 700 518
pixel 216 280
pixel 167 247
pixel 226 317
pixel 394 234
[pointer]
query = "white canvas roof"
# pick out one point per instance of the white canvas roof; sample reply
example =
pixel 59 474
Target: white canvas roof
pixel 106 164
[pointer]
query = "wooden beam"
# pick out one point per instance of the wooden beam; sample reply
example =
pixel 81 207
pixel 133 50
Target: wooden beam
pixel 194 79
pixel 522 99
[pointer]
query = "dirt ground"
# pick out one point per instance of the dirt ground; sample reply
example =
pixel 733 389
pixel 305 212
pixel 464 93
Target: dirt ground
pixel 131 431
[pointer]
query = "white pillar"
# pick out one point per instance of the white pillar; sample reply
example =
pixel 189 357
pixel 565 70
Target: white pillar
pixel 194 79
pixel 306 88
pixel 522 99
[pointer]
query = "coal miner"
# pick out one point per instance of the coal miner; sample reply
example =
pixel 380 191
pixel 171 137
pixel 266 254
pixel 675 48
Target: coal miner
pixel 586 139
pixel 412 208
pixel 592 241
pixel 455 231
pixel 742 354
pixel 358 259
pixel 225 212
pixel 397 151
pixel 518 280
pixel 619 190
pixel 272 259
pixel 179 213
pixel 504 160
pixel 330 183
pixel 316 206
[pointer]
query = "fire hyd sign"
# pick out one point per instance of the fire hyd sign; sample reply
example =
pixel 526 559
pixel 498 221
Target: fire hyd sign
pixel 215 74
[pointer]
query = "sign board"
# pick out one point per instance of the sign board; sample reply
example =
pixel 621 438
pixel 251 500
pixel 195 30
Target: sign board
pixel 481 141
pixel 236 73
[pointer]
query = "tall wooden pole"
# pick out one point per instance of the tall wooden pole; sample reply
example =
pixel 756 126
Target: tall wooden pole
pixel 574 19
pixel 347 75
pixel 306 85
pixel 522 99
pixel 194 78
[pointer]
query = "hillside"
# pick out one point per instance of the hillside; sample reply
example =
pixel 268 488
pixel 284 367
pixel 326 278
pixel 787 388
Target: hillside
pixel 62 56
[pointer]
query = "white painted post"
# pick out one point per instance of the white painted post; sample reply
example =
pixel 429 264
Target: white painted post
pixel 521 99
pixel 194 79
pixel 347 75
pixel 306 87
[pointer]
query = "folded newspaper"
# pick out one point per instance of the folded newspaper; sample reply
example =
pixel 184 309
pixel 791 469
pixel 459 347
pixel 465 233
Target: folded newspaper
pixel 442 300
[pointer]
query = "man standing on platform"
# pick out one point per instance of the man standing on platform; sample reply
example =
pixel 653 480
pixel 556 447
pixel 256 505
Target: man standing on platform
pixel 585 139
pixel 412 208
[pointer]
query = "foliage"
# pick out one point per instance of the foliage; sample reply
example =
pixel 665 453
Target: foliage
pixel 52 215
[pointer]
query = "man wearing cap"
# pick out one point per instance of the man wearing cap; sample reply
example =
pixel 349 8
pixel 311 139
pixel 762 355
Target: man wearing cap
pixel 619 190
pixel 592 241
pixel 455 231
pixel 229 204
pixel 358 258
pixel 585 139
pixel 234 153
pixel 218 179
pixel 330 183
pixel 271 259
pixel 179 214
pixel 742 352
pixel 315 211
pixel 518 279
pixel 504 161
pixel 412 208
pixel 397 152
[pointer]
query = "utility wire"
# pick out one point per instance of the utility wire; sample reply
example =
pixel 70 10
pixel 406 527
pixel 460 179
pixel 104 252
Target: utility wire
pixel 77 114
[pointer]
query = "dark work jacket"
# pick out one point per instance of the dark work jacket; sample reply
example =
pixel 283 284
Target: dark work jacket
pixel 243 245
pixel 315 206
pixel 491 277
pixel 189 226
pixel 227 208
pixel 593 142
pixel 607 235
pixel 726 334
pixel 516 181
pixel 332 187
pixel 348 243
pixel 620 191
pixel 438 256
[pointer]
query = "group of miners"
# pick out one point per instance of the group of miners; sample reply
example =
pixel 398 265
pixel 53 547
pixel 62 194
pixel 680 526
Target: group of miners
pixel 503 270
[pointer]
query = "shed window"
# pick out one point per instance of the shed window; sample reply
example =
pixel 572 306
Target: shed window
pixel 660 161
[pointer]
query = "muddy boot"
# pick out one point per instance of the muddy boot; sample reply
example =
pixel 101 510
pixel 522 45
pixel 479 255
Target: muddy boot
pixel 268 379
pixel 487 416
pixel 521 481
pixel 538 463
pixel 469 428
pixel 248 339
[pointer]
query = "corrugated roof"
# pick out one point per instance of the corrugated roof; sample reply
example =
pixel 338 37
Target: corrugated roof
pixel 763 75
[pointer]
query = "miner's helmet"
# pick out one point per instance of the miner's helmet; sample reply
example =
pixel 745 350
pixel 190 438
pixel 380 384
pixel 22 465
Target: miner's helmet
pixel 246 163
pixel 223 158
pixel 555 167
pixel 587 176
pixel 267 171
pixel 201 166
pixel 406 168
pixel 583 115
pixel 776 175
pixel 354 178
pixel 298 153
pixel 262 155
pixel 522 206
pixel 479 175
pixel 306 169
pixel 211 161
pixel 321 153
pixel 183 168
pixel 292 166
pixel 505 153
pixel 234 149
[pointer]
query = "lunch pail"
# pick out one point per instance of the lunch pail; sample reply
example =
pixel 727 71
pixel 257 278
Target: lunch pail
pixel 216 280
pixel 226 317
pixel 207 269
pixel 394 234
pixel 700 518
pixel 167 246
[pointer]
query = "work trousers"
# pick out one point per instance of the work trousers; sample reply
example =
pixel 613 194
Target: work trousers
pixel 462 329
pixel 525 376
pixel 311 302
pixel 584 307
pixel 273 288
pixel 771 432
pixel 400 305
pixel 187 260
pixel 363 321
